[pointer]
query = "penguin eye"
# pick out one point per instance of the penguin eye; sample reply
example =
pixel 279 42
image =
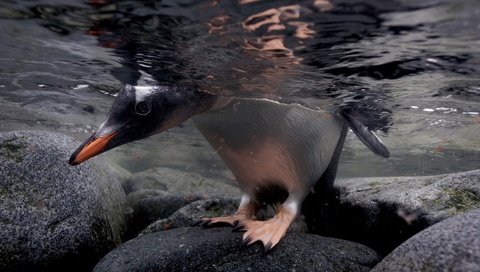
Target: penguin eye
pixel 143 108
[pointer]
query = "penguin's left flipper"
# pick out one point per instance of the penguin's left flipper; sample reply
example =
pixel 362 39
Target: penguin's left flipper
pixel 366 135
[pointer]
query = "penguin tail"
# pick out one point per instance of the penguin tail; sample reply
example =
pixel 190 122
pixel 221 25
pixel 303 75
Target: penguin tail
pixel 367 136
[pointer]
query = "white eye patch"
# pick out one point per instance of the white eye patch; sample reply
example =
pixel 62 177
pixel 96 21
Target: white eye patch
pixel 142 92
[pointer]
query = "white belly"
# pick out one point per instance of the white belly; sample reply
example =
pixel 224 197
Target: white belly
pixel 265 142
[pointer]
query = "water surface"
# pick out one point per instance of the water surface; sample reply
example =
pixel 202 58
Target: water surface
pixel 410 69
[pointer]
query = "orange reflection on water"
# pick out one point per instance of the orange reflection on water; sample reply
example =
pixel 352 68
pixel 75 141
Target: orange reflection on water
pixel 323 5
pixel 217 24
pixel 302 30
pixel 269 39
pixel 244 2
pixel 271 16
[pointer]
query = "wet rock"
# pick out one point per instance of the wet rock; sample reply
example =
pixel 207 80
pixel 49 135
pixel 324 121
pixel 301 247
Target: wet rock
pixel 147 206
pixel 383 212
pixel 172 180
pixel 218 249
pixel 192 213
pixel 120 173
pixel 451 245
pixel 54 216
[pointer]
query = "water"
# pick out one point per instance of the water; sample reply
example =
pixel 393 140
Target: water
pixel 409 68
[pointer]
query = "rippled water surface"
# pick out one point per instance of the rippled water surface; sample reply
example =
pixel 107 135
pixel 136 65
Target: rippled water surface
pixel 410 69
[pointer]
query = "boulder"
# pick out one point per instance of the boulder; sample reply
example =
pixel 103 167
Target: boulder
pixel 383 212
pixel 218 249
pixel 120 173
pixel 192 213
pixel 451 245
pixel 172 180
pixel 54 216
pixel 146 206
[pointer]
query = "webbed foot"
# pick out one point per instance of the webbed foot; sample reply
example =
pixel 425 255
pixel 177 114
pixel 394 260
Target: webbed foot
pixel 246 211
pixel 269 232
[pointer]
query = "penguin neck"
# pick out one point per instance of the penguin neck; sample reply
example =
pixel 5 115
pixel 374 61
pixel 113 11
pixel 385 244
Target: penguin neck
pixel 198 103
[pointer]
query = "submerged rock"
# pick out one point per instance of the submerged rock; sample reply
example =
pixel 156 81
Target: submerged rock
pixel 147 206
pixel 385 211
pixel 122 174
pixel 172 180
pixel 218 249
pixel 451 245
pixel 192 213
pixel 54 216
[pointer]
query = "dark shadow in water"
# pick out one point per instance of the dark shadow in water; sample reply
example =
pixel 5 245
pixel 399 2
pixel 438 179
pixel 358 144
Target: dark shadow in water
pixel 381 229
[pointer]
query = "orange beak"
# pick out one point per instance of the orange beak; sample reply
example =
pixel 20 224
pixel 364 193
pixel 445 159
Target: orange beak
pixel 91 148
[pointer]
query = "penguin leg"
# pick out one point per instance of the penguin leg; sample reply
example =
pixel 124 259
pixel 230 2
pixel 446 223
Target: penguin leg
pixel 271 231
pixel 246 210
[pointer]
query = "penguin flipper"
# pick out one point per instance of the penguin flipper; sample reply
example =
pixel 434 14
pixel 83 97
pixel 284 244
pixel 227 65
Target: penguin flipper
pixel 367 136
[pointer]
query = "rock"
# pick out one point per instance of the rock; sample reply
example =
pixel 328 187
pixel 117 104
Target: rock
pixel 383 212
pixel 120 173
pixel 172 180
pixel 54 216
pixel 438 197
pixel 192 213
pixel 147 206
pixel 451 245
pixel 218 249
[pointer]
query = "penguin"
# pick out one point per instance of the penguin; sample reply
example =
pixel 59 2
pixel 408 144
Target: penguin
pixel 276 151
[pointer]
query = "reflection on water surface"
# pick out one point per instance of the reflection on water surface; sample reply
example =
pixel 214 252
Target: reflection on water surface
pixel 409 69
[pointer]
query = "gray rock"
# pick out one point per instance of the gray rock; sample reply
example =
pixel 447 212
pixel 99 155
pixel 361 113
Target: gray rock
pixel 434 197
pixel 53 215
pixel 147 206
pixel 218 249
pixel 451 245
pixel 120 173
pixel 172 180
pixel 192 213
pixel 383 212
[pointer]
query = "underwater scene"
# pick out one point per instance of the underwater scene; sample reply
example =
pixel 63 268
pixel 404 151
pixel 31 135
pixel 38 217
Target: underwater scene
pixel 411 67
pixel 281 73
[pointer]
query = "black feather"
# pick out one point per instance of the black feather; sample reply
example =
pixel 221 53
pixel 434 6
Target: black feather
pixel 366 135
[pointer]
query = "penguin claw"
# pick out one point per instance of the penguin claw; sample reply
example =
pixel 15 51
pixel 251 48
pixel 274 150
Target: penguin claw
pixel 197 223
pixel 246 241
pixel 269 232
pixel 234 221
pixel 206 222
pixel 238 227
pixel 268 247
pixel 210 222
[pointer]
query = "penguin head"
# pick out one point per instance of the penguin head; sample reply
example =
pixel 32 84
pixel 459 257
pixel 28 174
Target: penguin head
pixel 139 112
